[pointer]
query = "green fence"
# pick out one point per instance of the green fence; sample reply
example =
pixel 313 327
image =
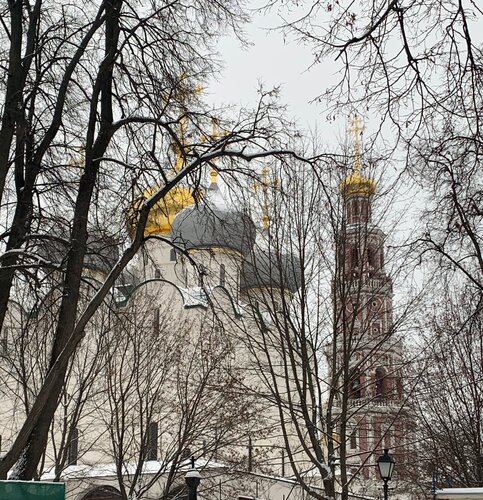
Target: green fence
pixel 31 490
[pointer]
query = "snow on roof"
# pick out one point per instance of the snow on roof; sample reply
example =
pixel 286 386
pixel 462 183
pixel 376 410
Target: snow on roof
pixel 460 493
pixel 109 470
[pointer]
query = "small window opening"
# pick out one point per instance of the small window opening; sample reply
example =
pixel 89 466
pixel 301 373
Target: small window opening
pixel 354 257
pixel 353 439
pixel 172 255
pixel 202 272
pixel 156 321
pixel 380 382
pixel 355 388
pixel 73 451
pixel 152 452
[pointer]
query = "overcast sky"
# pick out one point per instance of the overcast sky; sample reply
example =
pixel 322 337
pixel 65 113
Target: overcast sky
pixel 275 61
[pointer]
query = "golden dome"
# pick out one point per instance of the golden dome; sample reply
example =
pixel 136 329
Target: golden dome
pixel 162 214
pixel 356 184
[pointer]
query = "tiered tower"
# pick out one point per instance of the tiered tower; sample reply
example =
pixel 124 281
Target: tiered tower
pixel 367 351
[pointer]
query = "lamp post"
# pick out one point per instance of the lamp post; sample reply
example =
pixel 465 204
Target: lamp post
pixel 386 464
pixel 192 479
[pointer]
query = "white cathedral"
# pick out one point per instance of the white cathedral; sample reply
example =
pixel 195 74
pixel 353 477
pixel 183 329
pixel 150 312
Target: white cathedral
pixel 170 367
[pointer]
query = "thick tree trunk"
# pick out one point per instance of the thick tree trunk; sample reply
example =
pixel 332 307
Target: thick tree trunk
pixel 37 440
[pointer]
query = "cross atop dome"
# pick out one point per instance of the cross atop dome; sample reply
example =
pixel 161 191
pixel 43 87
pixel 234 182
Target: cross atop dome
pixel 266 181
pixel 357 126
pixel 356 184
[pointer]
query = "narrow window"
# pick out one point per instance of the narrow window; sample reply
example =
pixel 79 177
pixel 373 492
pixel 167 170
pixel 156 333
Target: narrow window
pixel 353 439
pixel 370 258
pixel 250 454
pixel 355 208
pixel 355 388
pixel 201 276
pixel 172 255
pixel 73 448
pixel 4 341
pixel 222 275
pixel 354 257
pixel 157 273
pixel 152 452
pixel 380 383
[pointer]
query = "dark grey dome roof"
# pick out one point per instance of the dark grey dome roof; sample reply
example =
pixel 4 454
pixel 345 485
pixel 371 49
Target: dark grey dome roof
pixel 101 254
pixel 265 269
pixel 206 226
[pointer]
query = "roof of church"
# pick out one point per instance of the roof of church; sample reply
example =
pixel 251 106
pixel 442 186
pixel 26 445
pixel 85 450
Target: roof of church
pixel 269 269
pixel 211 224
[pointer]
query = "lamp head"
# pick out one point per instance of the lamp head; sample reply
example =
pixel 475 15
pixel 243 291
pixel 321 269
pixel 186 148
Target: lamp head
pixel 386 464
pixel 192 477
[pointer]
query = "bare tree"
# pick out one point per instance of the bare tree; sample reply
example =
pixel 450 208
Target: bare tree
pixel 448 400
pixel 112 82
pixel 173 391
pixel 417 67
pixel 328 342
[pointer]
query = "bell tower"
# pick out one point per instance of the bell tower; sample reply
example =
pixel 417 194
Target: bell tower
pixel 366 355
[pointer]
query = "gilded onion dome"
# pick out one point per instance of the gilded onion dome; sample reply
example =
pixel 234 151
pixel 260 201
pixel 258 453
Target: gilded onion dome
pixel 161 215
pixel 355 183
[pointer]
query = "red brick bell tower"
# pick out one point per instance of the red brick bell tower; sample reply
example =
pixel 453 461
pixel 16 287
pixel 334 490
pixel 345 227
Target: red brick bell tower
pixel 367 351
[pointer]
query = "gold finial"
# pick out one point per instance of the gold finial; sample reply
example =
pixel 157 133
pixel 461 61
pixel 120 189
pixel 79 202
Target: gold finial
pixel 265 183
pixel 214 176
pixel 356 183
pixel 357 126
pixel 80 162
pixel 183 93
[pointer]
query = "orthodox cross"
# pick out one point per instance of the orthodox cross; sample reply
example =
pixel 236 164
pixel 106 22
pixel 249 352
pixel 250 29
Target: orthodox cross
pixel 216 133
pixel 80 162
pixel 265 183
pixel 357 126
pixel 184 92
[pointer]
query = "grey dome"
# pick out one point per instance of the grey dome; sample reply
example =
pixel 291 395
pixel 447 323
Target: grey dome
pixel 101 254
pixel 265 269
pixel 206 226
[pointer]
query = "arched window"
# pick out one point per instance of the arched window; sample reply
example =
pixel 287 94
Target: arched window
pixel 355 391
pixel 353 438
pixel 380 382
pixel 354 257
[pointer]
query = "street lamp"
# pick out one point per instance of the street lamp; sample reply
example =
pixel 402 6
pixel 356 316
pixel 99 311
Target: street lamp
pixel 386 465
pixel 192 478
